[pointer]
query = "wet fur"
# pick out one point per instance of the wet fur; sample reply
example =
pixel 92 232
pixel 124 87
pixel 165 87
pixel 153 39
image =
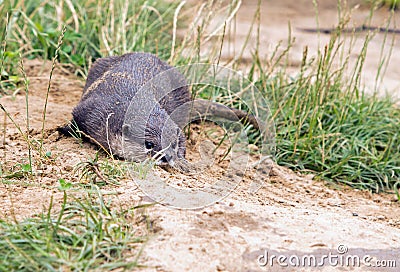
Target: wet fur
pixel 111 84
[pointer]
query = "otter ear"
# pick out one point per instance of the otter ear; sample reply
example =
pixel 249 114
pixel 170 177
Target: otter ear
pixel 126 130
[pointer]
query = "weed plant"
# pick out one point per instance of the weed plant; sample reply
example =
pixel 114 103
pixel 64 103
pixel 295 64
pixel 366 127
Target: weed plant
pixel 325 123
pixel 84 235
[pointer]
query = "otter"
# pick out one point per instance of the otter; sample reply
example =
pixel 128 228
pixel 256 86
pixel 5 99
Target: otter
pixel 111 85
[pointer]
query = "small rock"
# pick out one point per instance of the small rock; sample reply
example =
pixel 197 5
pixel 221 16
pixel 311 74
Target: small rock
pixel 252 147
pixel 68 168
pixel 380 217
pixel 355 214
pixel 213 212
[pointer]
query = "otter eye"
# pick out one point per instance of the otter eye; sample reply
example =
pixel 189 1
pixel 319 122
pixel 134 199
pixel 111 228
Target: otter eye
pixel 149 145
pixel 164 159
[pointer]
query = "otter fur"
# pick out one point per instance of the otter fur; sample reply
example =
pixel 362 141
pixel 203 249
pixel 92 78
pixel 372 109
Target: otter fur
pixel 111 85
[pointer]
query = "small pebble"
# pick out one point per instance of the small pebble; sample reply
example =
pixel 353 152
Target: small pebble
pixel 68 168
pixel 253 147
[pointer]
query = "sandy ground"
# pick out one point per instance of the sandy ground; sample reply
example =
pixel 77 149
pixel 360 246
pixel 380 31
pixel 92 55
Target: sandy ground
pixel 278 16
pixel 290 215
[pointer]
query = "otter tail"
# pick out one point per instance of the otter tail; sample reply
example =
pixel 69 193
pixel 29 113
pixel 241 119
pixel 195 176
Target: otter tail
pixel 206 108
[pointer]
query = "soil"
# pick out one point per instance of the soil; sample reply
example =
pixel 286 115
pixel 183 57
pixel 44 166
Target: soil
pixel 283 19
pixel 289 215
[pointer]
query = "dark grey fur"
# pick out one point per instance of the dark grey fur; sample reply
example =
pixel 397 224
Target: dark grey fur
pixel 111 84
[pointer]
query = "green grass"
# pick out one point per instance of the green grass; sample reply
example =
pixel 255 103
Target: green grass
pixel 325 124
pixel 94 29
pixel 391 4
pixel 87 234
pixel 84 235
pixel 353 142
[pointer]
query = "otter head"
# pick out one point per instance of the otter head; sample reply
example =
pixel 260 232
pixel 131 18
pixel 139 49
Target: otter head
pixel 159 137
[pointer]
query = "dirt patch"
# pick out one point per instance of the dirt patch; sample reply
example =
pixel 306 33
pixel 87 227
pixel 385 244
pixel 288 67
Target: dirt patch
pixel 290 214
pixel 25 197
pixel 281 20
